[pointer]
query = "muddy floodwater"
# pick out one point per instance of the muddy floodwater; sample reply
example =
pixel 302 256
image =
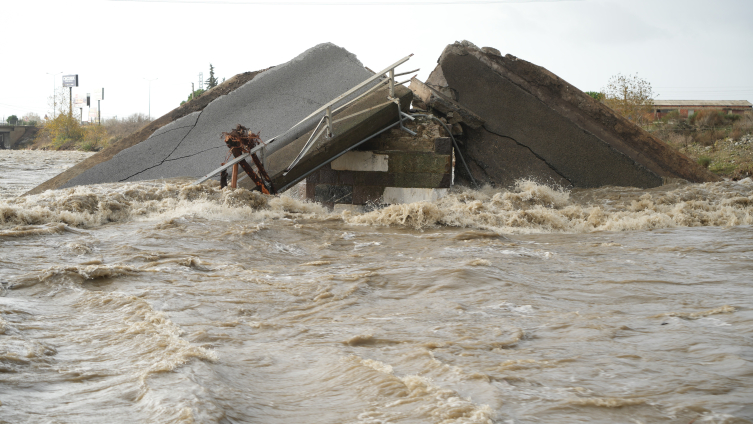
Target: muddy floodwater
pixel 22 170
pixel 164 302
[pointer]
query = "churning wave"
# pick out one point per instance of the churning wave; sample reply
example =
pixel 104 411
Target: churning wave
pixel 528 207
pixel 534 208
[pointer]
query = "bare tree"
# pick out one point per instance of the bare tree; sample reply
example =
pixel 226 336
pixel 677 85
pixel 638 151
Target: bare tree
pixel 630 96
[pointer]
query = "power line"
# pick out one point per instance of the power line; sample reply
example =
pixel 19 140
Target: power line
pixel 21 106
pixel 22 109
pixel 704 92
pixel 347 2
pixel 741 87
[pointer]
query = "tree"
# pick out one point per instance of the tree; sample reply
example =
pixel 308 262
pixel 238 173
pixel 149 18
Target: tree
pixel 211 81
pixel 630 96
pixel 13 119
pixel 31 118
pixel 596 95
pixel 193 95
pixel 62 132
pixel 59 102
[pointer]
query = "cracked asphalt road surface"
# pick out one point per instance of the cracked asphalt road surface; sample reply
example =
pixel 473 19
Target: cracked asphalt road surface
pixel 271 103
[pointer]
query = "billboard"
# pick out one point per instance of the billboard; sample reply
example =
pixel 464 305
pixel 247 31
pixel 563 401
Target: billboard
pixel 79 100
pixel 93 114
pixel 70 80
pixel 98 94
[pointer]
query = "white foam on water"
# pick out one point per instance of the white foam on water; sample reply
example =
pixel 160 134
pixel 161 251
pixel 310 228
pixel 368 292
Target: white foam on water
pixel 417 398
pixel 533 208
pixel 725 309
pixel 527 208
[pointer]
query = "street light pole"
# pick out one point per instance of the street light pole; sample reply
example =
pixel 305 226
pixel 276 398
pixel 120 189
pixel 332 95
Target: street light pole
pixel 150 96
pixel 53 91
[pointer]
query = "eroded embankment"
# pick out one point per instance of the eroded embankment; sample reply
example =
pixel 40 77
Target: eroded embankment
pixel 527 208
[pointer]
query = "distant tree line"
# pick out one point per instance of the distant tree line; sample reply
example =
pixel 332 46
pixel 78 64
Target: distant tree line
pixel 30 119
pixel 210 82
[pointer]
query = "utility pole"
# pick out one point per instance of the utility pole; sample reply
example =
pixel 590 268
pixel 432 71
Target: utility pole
pixel 150 96
pixel 70 82
pixel 54 88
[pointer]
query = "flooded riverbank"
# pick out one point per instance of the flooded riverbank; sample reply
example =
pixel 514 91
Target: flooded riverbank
pixel 22 170
pixel 157 302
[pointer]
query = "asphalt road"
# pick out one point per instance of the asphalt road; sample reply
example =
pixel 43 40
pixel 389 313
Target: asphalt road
pixel 271 103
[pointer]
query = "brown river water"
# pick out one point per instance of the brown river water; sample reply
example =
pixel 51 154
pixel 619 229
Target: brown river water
pixel 162 302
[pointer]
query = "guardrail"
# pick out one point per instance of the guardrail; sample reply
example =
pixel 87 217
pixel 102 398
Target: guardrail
pixel 5 124
pixel 326 122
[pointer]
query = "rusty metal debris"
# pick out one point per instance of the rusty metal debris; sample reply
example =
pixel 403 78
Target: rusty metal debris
pixel 242 141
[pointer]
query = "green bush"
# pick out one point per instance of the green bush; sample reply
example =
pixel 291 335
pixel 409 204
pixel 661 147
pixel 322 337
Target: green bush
pixel 193 95
pixel 704 161
pixel 713 118
pixel 88 146
pixel 671 116
pixel 723 168
pixel 60 142
pixel 596 95
pixel 707 137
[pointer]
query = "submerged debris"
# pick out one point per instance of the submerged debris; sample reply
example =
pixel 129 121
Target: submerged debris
pixel 241 141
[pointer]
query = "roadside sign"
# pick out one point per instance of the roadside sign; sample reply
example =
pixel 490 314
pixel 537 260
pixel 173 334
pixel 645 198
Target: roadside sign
pixel 79 100
pixel 70 80
pixel 98 94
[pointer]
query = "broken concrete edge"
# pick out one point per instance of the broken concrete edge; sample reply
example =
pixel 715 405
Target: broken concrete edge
pixel 347 133
pixel 432 98
pixel 195 105
pixel 592 116
pixel 393 167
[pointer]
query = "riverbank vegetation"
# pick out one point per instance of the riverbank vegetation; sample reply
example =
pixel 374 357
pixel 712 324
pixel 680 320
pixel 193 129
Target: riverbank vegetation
pixel 64 129
pixel 715 139
pixel 66 132
pixel 722 142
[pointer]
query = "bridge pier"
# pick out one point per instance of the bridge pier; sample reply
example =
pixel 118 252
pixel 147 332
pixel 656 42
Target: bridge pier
pixel 11 134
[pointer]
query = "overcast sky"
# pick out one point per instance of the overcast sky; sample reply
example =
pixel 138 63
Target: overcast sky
pixel 689 49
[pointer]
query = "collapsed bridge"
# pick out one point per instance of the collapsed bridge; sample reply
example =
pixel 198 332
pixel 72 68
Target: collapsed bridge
pixel 351 134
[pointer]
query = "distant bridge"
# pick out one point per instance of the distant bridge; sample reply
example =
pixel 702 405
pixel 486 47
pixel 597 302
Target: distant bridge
pixel 11 134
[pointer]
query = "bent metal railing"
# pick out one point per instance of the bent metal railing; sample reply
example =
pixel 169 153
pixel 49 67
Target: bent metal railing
pixel 326 122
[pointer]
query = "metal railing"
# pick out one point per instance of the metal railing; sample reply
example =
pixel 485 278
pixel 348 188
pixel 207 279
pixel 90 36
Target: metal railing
pixel 20 124
pixel 327 121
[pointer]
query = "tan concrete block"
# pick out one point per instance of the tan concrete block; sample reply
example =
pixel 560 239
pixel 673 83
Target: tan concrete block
pixel 409 162
pixel 361 161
